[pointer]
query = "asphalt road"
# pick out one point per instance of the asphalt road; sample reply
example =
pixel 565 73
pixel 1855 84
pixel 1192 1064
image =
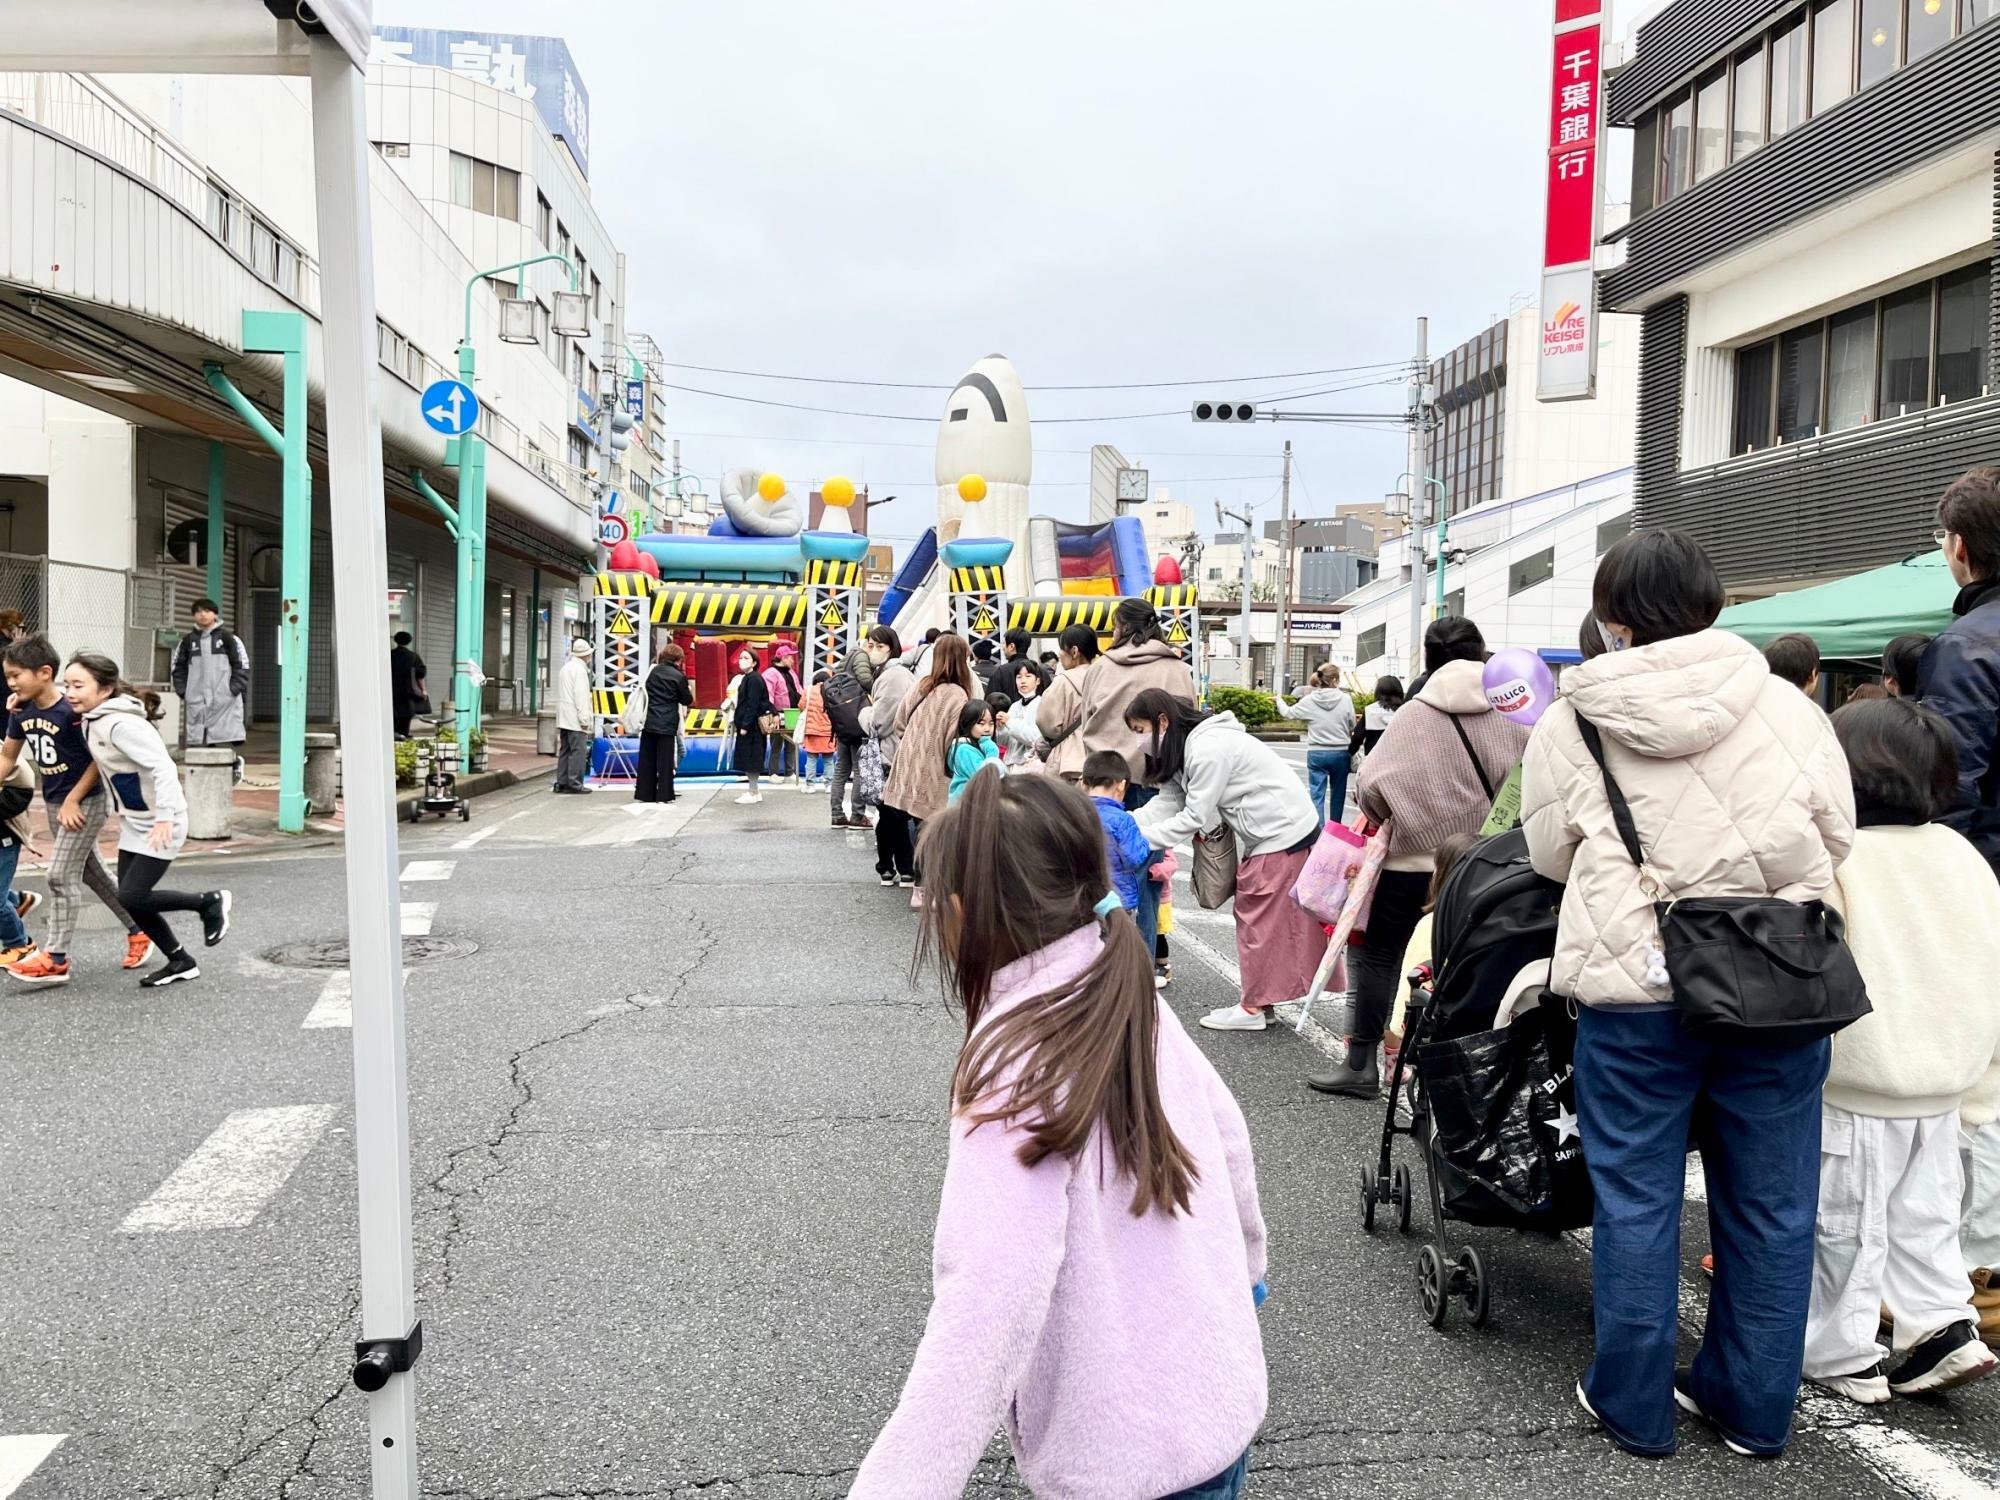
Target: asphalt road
pixel 678 1110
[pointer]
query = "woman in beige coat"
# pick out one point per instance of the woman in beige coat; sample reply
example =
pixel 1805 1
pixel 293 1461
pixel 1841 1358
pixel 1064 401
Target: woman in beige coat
pixel 1738 788
pixel 1139 658
pixel 1061 713
pixel 927 719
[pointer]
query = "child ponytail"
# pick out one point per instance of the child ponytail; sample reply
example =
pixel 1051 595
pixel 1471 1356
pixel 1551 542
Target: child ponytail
pixel 1016 864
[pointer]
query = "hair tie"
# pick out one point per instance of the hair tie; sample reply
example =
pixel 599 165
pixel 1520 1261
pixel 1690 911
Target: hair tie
pixel 1107 904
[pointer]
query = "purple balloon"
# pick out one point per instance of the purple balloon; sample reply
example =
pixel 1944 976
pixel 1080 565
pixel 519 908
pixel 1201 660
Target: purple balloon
pixel 1519 684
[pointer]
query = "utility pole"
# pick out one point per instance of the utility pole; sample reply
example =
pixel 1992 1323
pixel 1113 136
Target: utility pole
pixel 1284 577
pixel 1419 495
pixel 1222 515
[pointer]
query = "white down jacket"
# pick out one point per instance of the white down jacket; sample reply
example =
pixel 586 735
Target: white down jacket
pixel 1736 783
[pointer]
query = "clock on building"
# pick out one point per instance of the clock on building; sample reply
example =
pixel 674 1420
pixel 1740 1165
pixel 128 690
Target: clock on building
pixel 1132 484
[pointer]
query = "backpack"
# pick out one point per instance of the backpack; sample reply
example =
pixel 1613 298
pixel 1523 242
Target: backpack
pixel 844 697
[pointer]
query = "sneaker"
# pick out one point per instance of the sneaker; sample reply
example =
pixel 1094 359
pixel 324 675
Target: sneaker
pixel 749 799
pixel 860 821
pixel 1584 1402
pixel 907 882
pixel 839 822
pixel 888 881
pixel 1236 1018
pixel 25 902
pixel 1163 970
pixel 1950 1357
pixel 173 971
pixel 1159 980
pixel 39 968
pixel 806 787
pixel 12 956
pixel 138 948
pixel 215 916
pixel 1708 1266
pixel 1869 1387
pixel 1348 1082
pixel 1692 1407
pixel 821 787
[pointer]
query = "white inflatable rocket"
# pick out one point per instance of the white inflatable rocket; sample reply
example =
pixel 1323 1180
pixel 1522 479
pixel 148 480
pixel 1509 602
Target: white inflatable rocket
pixel 984 431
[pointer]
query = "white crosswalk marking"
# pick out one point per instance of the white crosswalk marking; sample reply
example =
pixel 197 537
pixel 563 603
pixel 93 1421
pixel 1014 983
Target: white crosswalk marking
pixel 335 1006
pixel 652 820
pixel 235 1172
pixel 417 917
pixel 429 869
pixel 471 840
pixel 21 1455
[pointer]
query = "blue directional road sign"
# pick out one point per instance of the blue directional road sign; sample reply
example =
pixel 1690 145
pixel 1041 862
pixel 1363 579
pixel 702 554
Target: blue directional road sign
pixel 450 407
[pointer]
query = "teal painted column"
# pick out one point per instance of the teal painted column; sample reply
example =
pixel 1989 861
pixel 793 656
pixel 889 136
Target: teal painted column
pixel 285 334
pixel 215 522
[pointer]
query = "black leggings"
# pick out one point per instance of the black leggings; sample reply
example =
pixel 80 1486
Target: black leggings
pixel 138 875
pixel 656 767
pixel 1399 904
pixel 895 842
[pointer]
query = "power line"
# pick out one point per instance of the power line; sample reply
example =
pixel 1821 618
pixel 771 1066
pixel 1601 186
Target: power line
pixel 890 416
pixel 1128 385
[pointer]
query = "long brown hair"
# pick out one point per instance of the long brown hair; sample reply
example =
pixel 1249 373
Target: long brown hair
pixel 951 661
pixel 1017 863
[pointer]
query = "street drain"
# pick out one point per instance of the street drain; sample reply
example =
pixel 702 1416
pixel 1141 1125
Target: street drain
pixel 333 953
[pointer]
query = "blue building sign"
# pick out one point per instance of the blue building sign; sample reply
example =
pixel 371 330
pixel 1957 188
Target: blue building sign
pixel 537 68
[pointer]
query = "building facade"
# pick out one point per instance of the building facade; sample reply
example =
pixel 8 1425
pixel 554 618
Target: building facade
pixel 1815 193
pixel 1222 568
pixel 1331 557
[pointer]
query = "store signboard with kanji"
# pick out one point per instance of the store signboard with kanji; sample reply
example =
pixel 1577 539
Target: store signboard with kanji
pixel 1566 357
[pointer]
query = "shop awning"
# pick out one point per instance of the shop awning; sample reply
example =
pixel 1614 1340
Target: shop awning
pixel 1855 617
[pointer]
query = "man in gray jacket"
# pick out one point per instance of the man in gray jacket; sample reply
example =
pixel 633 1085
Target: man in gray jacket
pixel 211 672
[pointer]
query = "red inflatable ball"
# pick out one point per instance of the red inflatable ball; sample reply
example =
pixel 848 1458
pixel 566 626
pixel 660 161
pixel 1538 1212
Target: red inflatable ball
pixel 649 565
pixel 625 557
pixel 1166 571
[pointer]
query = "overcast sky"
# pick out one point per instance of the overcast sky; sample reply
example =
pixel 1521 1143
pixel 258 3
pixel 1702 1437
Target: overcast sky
pixel 1104 192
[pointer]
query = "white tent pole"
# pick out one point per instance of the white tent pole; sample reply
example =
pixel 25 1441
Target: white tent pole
pixel 360 560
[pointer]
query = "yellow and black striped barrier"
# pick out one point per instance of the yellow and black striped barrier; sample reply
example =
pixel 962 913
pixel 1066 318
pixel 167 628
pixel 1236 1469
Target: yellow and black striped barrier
pixel 833 573
pixel 1171 596
pixel 704 721
pixel 753 606
pixel 623 585
pixel 978 580
pixel 608 703
pixel 1054 616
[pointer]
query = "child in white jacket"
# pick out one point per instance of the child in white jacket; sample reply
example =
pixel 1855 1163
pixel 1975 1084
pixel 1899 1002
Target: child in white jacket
pixel 1923 921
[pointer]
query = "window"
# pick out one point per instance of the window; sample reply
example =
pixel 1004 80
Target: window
pixel 482 187
pixel 1526 572
pixel 485 188
pixel 1962 333
pixel 1454 603
pixel 1850 367
pixel 579 452
pixel 562 240
pixel 576 365
pixel 1788 78
pixel 1371 644
pixel 393 150
pixel 288 269
pixel 461 180
pixel 507 194
pixel 220 211
pixel 1906 352
pixel 1801 357
pixel 1881 25
pixel 1676 149
pixel 1610 533
pixel 263 249
pixel 1833 52
pixel 1926 27
pixel 1977 11
pixel 543 217
pixel 1755 367
pixel 1711 125
pixel 596 379
pixel 597 296
pixel 1747 128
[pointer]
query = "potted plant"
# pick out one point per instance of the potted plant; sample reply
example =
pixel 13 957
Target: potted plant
pixel 478 743
pixel 406 763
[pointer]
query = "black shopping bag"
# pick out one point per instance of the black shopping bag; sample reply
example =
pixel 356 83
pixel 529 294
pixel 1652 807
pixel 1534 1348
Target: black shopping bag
pixel 1503 1110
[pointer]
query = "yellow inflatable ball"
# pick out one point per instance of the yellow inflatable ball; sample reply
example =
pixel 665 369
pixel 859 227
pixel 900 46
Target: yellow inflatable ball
pixel 838 492
pixel 770 487
pixel 972 489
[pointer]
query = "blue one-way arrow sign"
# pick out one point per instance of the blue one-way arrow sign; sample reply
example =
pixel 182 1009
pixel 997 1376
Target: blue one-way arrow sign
pixel 450 407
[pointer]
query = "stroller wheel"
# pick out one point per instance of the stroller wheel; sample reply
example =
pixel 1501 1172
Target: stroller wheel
pixel 1369 1198
pixel 1401 1192
pixel 1430 1286
pixel 1473 1286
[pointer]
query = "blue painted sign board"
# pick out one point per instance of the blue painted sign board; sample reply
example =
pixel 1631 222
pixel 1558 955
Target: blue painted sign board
pixel 449 407
pixel 535 68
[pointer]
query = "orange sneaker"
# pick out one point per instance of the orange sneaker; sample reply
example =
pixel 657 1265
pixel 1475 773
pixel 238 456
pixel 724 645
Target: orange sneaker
pixel 39 968
pixel 138 948
pixel 9 956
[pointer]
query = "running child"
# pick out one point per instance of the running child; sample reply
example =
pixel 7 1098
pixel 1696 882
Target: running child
pixel 44 730
pixel 1100 1251
pixel 1923 922
pixel 973 748
pixel 152 813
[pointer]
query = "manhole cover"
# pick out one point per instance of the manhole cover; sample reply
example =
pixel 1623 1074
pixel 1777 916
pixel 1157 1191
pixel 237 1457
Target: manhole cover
pixel 332 954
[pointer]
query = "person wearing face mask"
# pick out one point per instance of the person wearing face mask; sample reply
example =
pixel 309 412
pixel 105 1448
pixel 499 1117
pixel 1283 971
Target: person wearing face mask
pixel 750 699
pixel 1210 773
pixel 895 839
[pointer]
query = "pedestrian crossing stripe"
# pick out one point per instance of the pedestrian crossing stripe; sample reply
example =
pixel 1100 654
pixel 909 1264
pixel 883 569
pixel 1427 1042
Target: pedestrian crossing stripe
pixel 621 624
pixel 978 580
pixel 1053 616
pixel 755 606
pixel 623 585
pixel 608 703
pixel 831 618
pixel 833 573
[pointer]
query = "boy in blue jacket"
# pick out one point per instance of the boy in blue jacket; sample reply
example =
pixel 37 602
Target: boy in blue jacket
pixel 1126 851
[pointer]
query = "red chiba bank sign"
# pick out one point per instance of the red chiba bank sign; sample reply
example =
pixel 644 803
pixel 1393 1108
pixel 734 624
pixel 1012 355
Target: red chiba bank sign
pixel 1566 367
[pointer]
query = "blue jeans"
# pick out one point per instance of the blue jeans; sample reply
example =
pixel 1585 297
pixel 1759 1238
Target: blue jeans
pixel 1641 1084
pixel 13 932
pixel 1225 1486
pixel 1326 767
pixel 812 764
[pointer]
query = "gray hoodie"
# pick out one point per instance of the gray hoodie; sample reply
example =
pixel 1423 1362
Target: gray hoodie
pixel 1228 777
pixel 134 762
pixel 1328 714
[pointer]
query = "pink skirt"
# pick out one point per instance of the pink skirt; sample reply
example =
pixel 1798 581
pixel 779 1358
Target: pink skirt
pixel 1278 944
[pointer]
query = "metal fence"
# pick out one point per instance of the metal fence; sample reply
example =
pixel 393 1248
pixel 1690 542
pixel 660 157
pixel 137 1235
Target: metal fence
pixel 24 585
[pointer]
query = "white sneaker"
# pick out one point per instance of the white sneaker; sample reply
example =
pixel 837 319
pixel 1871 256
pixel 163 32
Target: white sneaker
pixel 1869 1387
pixel 1236 1018
pixel 749 799
pixel 804 788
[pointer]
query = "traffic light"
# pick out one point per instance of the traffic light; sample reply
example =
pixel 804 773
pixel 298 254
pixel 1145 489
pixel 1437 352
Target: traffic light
pixel 621 429
pixel 1224 411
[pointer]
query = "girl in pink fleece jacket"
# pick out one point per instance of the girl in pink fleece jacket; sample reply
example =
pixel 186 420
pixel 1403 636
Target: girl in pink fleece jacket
pixel 1099 1247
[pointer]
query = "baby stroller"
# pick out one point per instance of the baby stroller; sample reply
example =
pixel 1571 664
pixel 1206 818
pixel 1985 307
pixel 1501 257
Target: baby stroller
pixel 1491 1106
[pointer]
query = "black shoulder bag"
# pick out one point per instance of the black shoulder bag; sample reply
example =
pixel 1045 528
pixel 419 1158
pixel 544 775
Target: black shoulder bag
pixel 1745 969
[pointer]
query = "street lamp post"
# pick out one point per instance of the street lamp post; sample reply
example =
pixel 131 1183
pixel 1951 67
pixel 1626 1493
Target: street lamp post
pixel 1416 535
pixel 468 453
pixel 1222 515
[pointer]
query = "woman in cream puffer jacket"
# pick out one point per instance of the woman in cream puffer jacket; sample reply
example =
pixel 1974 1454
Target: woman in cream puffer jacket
pixel 1738 788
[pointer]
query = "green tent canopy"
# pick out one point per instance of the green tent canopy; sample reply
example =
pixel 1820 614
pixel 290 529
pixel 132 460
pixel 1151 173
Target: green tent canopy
pixel 1855 617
